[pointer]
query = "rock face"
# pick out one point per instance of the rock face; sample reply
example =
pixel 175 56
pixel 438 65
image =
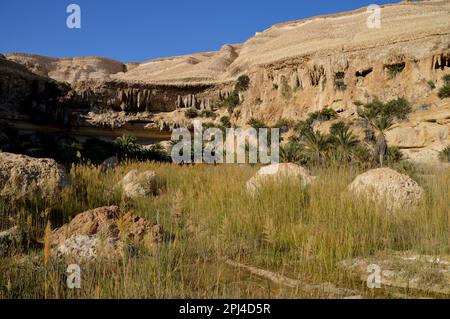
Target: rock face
pixel 295 68
pixel 140 184
pixel 387 187
pixel 430 274
pixel 69 69
pixel 275 172
pixel 103 231
pixel 424 135
pixel 26 177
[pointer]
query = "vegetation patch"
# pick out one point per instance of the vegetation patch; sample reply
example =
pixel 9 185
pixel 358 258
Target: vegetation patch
pixel 395 69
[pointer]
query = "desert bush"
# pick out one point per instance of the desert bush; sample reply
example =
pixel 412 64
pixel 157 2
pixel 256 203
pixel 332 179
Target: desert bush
pixel 283 124
pixel 446 79
pixel 255 123
pixel 325 114
pixel 191 113
pixel 242 84
pixel 208 113
pixel 395 69
pixel 444 92
pixel 225 120
pixel 339 82
pixel 394 154
pixel 444 155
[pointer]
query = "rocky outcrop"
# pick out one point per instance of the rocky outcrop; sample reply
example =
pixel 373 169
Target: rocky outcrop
pixel 388 188
pixel 27 96
pixel 424 135
pixel 26 177
pixel 295 68
pixel 279 172
pixel 103 232
pixel 69 70
pixel 137 184
pixel 404 270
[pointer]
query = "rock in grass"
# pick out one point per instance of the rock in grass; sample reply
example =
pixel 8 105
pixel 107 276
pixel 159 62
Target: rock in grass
pixel 275 172
pixel 387 187
pixel 10 240
pixel 103 232
pixel 140 184
pixel 404 270
pixel 24 177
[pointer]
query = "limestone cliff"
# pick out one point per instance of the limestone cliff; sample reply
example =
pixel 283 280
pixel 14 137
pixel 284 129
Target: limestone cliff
pixel 294 68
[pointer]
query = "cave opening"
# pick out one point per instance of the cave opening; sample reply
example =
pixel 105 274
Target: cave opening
pixel 364 73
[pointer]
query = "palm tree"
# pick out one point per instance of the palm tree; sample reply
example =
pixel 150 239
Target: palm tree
pixel 380 117
pixel 316 146
pixel 343 141
pixel 292 152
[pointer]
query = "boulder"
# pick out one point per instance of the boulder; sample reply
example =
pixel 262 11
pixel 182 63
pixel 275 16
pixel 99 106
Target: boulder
pixel 26 177
pixel 387 187
pixel 103 232
pixel 276 172
pixel 11 239
pixel 137 184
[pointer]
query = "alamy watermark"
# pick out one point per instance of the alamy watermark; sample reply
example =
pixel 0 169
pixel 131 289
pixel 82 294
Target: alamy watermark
pixel 73 280
pixel 374 279
pixel 74 19
pixel 374 19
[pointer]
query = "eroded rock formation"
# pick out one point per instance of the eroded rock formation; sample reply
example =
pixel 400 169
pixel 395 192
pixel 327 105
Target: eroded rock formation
pixel 294 68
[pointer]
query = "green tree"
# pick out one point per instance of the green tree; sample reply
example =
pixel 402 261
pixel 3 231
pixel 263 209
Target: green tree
pixel 380 117
pixel 343 141
pixel 316 146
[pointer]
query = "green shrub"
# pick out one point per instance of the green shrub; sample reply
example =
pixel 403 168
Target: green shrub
pixel 446 79
pixel 191 113
pixel 232 101
pixel 128 149
pixel 399 108
pixel 208 113
pixel 255 123
pixel 394 154
pixel 242 84
pixel 444 92
pixel 339 82
pixel 225 120
pixel 395 69
pixel 444 155
pixel 431 84
pixel 324 115
pixel 283 125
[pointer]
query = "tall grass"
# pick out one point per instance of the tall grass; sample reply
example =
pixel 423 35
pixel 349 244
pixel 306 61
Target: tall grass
pixel 208 217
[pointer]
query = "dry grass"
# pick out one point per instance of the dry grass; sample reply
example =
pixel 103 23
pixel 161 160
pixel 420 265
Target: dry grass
pixel 208 217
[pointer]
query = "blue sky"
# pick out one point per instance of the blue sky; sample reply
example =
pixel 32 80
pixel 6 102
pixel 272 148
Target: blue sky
pixel 139 30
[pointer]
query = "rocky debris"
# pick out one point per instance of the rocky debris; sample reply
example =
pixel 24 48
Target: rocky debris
pixel 279 279
pixel 26 177
pixel 137 184
pixel 11 239
pixel 430 274
pixel 387 187
pixel 104 232
pixel 110 163
pixel 276 172
pixel 79 247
